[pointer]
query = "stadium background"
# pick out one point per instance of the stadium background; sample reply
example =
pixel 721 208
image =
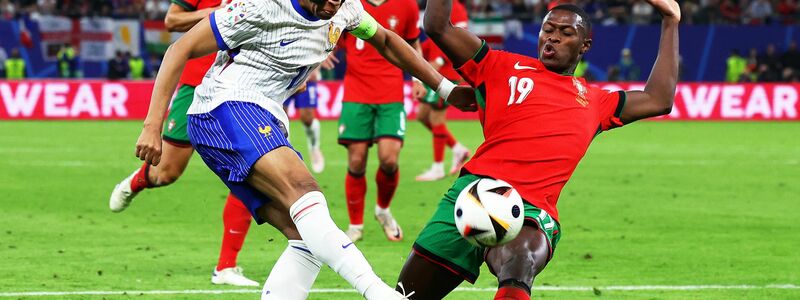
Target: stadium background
pixel 697 209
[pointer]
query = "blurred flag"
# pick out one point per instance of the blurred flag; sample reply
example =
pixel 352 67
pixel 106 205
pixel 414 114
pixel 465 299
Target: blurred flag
pixel 25 35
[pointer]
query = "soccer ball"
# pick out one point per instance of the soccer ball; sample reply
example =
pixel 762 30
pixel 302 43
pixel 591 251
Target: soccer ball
pixel 489 212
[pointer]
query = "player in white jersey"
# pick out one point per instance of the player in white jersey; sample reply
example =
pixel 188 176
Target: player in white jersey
pixel 238 126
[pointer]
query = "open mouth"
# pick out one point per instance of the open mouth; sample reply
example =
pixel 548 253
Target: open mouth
pixel 548 51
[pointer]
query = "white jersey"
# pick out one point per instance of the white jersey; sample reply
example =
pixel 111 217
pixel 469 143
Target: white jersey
pixel 269 48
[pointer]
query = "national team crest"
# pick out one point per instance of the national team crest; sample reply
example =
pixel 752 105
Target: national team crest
pixel 393 22
pixel 266 130
pixel 334 32
pixel 581 97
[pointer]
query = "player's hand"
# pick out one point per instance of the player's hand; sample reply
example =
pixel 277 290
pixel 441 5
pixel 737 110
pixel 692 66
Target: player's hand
pixel 463 98
pixel 418 89
pixel 330 62
pixel 148 147
pixel 667 8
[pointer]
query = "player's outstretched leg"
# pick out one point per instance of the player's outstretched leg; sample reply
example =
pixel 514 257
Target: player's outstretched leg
pixel 355 188
pixel 282 176
pixel 426 279
pixel 174 159
pixel 236 221
pixel 517 263
pixel 387 178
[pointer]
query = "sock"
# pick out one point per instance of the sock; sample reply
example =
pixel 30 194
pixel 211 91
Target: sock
pixel 331 246
pixel 140 180
pixel 294 273
pixel 387 184
pixel 312 135
pixel 449 140
pixel 439 140
pixel 236 219
pixel 355 188
pixel 511 293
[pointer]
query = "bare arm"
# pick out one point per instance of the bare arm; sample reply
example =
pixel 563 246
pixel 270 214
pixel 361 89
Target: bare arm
pixel 398 52
pixel 659 91
pixel 181 20
pixel 457 43
pixel 198 42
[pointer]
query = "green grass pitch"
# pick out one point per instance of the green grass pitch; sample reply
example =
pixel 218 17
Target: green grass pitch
pixel 655 204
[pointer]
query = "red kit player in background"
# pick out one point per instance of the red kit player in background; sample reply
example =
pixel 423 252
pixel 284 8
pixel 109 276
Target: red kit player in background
pixel 177 150
pixel 432 109
pixel 373 112
pixel 538 121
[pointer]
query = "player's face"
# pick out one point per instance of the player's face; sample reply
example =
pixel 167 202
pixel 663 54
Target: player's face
pixel 325 9
pixel 562 40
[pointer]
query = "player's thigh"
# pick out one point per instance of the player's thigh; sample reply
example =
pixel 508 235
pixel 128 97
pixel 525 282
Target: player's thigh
pixel 390 121
pixel 356 123
pixel 282 176
pixel 527 255
pixel 426 279
pixel 441 243
pixel 389 150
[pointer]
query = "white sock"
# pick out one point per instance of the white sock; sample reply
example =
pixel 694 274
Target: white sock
pixel 356 227
pixel 312 135
pixel 381 211
pixel 293 274
pixel 330 245
pixel 438 166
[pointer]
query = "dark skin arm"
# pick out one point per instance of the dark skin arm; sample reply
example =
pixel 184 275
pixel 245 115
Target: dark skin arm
pixel 457 43
pixel 181 20
pixel 659 91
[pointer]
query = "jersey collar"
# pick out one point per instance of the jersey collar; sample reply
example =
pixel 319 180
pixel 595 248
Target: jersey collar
pixel 302 11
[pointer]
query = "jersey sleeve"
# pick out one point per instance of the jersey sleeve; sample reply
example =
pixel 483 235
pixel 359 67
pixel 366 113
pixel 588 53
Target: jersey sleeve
pixel 188 5
pixel 611 105
pixel 237 23
pixel 474 70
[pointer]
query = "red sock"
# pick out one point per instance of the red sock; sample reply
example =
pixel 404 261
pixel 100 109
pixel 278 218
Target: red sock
pixel 511 293
pixel 355 187
pixel 448 137
pixel 140 180
pixel 387 184
pixel 439 139
pixel 236 219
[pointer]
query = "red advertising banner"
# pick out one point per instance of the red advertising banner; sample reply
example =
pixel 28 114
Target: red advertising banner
pixel 121 100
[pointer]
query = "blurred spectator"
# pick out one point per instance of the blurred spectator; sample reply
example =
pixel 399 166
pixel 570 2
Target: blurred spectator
pixel 155 63
pixel 731 12
pixel 769 65
pixel 787 9
pixel 613 73
pixel 689 11
pixel 118 67
pixel 7 10
pixel 709 13
pixel 15 65
pixel 617 12
pixel 752 65
pixel 628 70
pixel 642 12
pixel 3 57
pixel 136 65
pixel 737 66
pixel 759 12
pixel 67 62
pixel 791 58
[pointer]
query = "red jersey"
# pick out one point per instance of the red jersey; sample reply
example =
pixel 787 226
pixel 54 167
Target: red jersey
pixel 537 124
pixel 196 68
pixel 431 52
pixel 369 77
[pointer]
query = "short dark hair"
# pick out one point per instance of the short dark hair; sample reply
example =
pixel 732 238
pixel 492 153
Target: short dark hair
pixel 587 23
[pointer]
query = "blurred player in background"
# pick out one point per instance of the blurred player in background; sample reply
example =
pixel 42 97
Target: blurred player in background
pixel 433 109
pixel 538 121
pixel 177 150
pixel 373 112
pixel 265 50
pixel 305 102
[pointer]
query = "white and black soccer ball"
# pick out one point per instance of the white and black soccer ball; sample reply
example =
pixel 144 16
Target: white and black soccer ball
pixel 489 212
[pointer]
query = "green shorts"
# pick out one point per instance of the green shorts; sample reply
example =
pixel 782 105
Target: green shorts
pixel 361 122
pixel 175 125
pixel 432 98
pixel 441 243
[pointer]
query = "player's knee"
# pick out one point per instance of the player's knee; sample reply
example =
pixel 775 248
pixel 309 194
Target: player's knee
pixel 304 186
pixel 166 176
pixel 389 165
pixel 357 164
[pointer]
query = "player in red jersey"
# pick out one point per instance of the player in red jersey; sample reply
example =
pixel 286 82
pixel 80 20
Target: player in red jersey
pixel 432 109
pixel 538 121
pixel 177 150
pixel 373 112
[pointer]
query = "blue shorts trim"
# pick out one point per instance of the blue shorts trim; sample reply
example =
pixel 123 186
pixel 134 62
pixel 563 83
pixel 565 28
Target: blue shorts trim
pixel 217 36
pixel 231 138
pixel 306 99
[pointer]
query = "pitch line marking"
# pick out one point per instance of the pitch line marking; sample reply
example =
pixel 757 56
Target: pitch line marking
pixel 461 289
